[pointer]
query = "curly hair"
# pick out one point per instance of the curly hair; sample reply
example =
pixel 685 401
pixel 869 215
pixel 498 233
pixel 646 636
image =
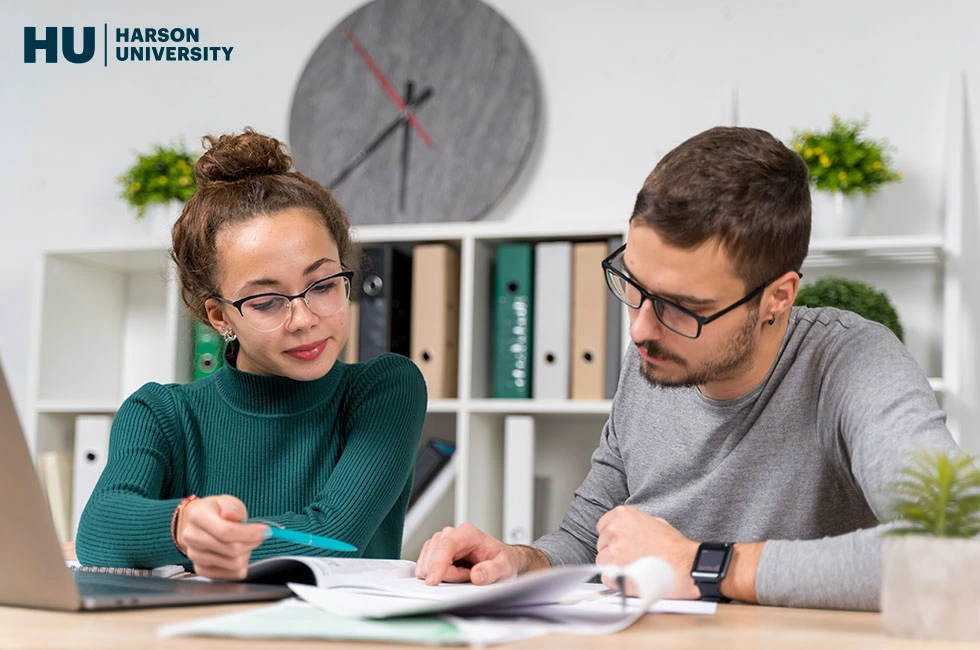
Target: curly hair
pixel 240 177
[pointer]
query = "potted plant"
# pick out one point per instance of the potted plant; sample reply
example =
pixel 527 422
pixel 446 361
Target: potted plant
pixel 852 295
pixel 162 177
pixel 845 168
pixel 931 557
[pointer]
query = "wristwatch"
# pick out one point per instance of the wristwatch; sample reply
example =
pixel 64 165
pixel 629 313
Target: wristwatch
pixel 710 568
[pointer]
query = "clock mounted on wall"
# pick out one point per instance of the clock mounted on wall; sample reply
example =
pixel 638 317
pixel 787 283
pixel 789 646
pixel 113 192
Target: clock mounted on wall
pixel 417 111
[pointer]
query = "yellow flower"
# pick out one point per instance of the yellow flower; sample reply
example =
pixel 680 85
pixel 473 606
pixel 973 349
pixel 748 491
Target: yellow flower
pixel 842 176
pixel 808 152
pixel 824 160
pixel 876 165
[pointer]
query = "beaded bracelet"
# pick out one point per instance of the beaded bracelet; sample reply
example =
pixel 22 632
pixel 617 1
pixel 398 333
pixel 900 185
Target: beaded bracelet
pixel 173 520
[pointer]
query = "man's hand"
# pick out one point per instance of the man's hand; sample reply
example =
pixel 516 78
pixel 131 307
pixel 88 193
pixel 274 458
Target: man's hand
pixel 467 554
pixel 627 534
pixel 212 535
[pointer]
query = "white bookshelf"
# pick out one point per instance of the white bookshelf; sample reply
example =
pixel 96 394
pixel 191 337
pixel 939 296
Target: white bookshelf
pixel 109 318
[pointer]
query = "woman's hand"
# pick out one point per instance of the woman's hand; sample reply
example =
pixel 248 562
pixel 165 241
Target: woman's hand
pixel 212 536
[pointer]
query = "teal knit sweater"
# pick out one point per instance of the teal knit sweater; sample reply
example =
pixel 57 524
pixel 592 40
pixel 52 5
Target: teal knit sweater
pixel 331 457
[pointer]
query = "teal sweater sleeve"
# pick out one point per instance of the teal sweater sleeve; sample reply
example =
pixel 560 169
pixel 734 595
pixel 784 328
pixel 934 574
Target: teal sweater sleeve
pixel 127 519
pixel 353 486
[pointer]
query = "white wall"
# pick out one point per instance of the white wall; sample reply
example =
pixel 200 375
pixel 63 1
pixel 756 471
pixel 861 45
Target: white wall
pixel 623 83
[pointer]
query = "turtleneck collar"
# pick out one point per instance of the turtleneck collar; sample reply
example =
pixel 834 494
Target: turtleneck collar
pixel 269 395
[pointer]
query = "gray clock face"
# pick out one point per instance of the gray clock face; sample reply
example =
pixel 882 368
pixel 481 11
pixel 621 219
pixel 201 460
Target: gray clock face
pixel 416 111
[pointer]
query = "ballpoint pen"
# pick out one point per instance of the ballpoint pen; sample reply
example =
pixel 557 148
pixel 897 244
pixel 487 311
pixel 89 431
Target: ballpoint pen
pixel 621 583
pixel 275 531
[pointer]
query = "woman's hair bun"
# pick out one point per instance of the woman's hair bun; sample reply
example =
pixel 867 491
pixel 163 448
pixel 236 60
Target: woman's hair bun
pixel 236 157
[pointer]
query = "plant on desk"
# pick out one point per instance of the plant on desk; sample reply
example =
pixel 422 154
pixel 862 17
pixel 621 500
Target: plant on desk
pixel 932 554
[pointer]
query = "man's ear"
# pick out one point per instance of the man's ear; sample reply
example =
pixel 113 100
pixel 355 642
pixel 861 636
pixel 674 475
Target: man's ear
pixel 783 293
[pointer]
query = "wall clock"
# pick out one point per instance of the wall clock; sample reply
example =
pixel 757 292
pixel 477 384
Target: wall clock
pixel 416 111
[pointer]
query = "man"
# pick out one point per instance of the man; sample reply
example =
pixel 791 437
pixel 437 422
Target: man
pixel 738 418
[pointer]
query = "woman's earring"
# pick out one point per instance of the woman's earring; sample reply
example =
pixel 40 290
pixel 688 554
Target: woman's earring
pixel 228 334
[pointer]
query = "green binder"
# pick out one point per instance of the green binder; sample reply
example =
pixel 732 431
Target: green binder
pixel 209 350
pixel 512 326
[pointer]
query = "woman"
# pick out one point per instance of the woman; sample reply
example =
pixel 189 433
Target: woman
pixel 283 432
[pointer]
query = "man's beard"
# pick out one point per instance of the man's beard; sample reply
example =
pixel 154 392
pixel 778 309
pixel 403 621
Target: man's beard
pixel 733 358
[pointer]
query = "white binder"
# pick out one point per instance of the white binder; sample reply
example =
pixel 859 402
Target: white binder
pixel 518 479
pixel 552 320
pixel 91 450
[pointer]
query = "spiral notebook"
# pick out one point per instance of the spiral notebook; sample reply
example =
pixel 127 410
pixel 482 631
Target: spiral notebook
pixel 167 571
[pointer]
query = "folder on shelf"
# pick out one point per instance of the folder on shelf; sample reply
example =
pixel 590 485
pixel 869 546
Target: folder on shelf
pixel 386 294
pixel 209 350
pixel 54 470
pixel 435 317
pixel 518 479
pixel 589 313
pixel 512 321
pixel 349 353
pixel 552 319
pixel 91 451
pixel 614 333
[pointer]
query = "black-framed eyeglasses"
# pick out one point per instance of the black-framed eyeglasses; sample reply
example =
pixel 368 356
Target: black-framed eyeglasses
pixel 672 316
pixel 267 312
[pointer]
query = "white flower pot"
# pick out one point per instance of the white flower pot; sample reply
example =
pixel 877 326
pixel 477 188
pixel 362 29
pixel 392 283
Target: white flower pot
pixel 836 214
pixel 930 587
pixel 161 217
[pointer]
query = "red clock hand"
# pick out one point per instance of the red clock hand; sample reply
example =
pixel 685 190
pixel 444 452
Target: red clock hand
pixel 393 94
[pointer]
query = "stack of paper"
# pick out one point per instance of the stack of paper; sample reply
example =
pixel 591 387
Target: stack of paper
pixel 381 607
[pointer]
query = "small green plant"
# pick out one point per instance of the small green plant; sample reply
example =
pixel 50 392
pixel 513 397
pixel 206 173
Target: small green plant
pixel 937 494
pixel 164 174
pixel 852 295
pixel 841 160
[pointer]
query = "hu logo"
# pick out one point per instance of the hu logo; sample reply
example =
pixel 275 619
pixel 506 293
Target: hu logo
pixel 50 44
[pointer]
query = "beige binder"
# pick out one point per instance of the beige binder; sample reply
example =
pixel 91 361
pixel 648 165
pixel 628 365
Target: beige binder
pixel 349 353
pixel 589 296
pixel 435 317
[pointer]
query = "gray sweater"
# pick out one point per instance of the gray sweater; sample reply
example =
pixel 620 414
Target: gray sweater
pixel 800 461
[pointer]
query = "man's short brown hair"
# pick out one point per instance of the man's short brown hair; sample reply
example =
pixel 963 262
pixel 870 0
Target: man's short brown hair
pixel 740 186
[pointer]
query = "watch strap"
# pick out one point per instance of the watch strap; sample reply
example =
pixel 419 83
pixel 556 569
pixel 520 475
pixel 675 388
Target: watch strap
pixel 711 591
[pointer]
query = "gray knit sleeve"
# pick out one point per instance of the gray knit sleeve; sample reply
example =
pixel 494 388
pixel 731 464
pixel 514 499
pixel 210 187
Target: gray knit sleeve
pixel 876 408
pixel 603 489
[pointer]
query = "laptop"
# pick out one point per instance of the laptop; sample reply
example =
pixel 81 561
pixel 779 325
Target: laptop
pixel 33 572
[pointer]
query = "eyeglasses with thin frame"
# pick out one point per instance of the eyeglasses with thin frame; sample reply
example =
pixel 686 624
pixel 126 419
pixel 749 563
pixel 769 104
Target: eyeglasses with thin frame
pixel 671 315
pixel 267 312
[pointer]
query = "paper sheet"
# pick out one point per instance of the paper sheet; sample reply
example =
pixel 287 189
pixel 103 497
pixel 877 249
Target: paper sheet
pixel 588 609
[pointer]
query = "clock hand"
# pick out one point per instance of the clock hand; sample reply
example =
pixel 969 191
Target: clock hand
pixel 359 157
pixel 406 141
pixel 388 87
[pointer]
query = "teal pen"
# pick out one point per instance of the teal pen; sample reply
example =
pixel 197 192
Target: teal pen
pixel 274 531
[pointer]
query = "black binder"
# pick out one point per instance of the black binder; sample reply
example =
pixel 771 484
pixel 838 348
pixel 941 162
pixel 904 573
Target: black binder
pixel 385 303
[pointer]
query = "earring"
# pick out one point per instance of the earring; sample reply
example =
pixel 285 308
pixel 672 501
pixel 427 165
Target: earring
pixel 228 334
pixel 772 321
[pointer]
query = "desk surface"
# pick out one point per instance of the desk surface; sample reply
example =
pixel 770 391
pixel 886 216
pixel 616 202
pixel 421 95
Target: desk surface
pixel 734 626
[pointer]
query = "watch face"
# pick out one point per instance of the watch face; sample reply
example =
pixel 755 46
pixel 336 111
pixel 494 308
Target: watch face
pixel 416 111
pixel 710 561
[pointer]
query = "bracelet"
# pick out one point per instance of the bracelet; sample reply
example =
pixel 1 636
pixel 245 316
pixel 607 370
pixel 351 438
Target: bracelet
pixel 173 521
